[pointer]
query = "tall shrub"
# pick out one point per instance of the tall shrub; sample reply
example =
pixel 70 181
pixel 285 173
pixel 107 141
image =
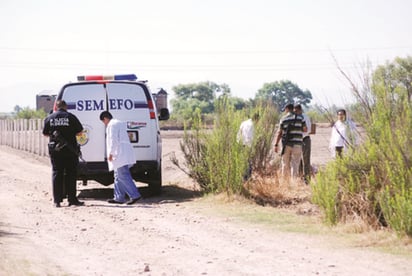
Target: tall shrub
pixel 262 147
pixel 215 158
pixel 375 180
pixel 325 193
pixel 226 158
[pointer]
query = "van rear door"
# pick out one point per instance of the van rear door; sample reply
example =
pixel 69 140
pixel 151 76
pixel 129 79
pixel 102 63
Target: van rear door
pixel 132 103
pixel 87 101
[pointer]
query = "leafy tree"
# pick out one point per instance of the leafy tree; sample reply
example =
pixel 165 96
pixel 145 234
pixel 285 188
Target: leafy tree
pixel 283 92
pixel 396 77
pixel 183 110
pixel 28 113
pixel 17 109
pixel 238 103
pixel 203 91
pixel 202 95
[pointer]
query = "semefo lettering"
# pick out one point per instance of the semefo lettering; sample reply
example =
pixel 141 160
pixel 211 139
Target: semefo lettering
pixel 92 105
pixel 89 105
pixel 120 104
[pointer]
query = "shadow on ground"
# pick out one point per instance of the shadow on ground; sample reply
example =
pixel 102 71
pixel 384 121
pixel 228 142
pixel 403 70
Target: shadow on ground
pixel 4 233
pixel 170 194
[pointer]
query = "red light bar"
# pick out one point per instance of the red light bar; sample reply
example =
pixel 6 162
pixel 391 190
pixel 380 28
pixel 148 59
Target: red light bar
pixel 91 78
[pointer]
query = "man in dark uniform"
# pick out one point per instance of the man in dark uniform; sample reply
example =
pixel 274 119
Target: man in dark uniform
pixel 61 127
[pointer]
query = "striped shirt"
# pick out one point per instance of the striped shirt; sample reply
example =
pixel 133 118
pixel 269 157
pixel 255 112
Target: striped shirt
pixel 295 123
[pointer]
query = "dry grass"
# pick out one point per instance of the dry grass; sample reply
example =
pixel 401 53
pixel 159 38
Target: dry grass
pixel 277 191
pixel 359 234
pixel 292 198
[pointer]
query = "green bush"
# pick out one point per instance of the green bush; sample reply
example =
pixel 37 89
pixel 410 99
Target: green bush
pixel 326 192
pixel 374 181
pixel 226 160
pixel 397 209
pixel 215 158
pixel 349 188
pixel 28 113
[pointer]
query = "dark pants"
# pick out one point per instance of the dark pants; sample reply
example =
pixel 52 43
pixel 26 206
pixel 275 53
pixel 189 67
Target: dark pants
pixel 339 151
pixel 64 173
pixel 305 167
pixel 248 172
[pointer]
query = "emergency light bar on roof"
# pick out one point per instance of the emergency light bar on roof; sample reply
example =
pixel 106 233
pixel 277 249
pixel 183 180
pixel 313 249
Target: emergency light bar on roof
pixel 129 77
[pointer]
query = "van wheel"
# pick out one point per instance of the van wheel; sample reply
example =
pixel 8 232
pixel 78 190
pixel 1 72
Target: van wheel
pixel 155 185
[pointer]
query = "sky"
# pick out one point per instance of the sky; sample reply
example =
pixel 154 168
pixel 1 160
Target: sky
pixel 45 44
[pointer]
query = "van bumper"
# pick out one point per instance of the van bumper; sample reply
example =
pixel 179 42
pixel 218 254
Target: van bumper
pixel 142 171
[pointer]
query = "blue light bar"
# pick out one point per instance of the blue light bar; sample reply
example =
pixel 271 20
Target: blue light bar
pixel 131 77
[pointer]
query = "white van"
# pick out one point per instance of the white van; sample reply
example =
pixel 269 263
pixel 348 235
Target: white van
pixel 129 100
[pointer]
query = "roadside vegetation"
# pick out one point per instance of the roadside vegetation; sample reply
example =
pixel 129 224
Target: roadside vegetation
pixel 24 113
pixel 371 185
pixel 215 157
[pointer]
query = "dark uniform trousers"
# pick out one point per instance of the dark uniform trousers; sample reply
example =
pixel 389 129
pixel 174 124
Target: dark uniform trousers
pixel 305 167
pixel 64 173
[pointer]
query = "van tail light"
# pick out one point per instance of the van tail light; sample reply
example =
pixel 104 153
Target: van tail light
pixel 151 109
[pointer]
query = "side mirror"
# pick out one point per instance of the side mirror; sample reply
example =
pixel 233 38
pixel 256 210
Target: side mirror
pixel 164 114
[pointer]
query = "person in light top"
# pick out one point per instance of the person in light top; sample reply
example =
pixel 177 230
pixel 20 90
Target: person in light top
pixel 245 136
pixel 247 129
pixel 344 134
pixel 120 158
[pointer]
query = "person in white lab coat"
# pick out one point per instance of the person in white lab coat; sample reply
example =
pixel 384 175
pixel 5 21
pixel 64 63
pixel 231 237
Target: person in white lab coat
pixel 344 135
pixel 245 135
pixel 120 158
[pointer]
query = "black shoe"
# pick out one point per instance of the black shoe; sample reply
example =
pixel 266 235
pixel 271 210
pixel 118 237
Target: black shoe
pixel 133 201
pixel 113 201
pixel 57 205
pixel 76 203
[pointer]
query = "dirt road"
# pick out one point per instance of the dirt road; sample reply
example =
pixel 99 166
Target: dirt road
pixel 174 234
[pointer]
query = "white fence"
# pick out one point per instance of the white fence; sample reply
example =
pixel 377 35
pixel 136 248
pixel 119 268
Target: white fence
pixel 24 134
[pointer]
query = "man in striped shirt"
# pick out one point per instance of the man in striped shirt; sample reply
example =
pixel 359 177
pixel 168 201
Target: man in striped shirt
pixel 291 128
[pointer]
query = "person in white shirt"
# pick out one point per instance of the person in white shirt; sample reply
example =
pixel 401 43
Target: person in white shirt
pixel 344 134
pixel 305 166
pixel 245 136
pixel 120 158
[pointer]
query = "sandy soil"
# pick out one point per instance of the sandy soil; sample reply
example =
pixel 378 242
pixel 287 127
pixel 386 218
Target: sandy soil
pixel 173 234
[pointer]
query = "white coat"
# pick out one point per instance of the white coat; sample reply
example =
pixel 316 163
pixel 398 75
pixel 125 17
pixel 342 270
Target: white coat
pixel 118 145
pixel 344 134
pixel 246 132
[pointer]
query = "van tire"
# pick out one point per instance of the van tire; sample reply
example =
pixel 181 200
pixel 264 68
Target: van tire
pixel 155 185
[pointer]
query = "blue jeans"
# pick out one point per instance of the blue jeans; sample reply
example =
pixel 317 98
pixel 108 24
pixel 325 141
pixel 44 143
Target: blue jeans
pixel 124 184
